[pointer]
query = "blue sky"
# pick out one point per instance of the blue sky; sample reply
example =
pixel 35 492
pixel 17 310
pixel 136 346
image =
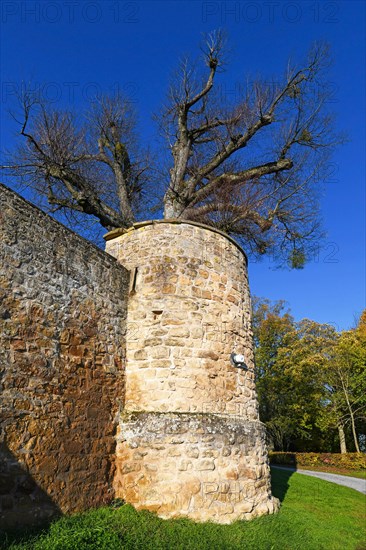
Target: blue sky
pixel 74 49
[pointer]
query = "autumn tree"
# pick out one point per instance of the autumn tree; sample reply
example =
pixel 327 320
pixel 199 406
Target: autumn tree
pixel 304 360
pixel 290 359
pixel 272 325
pixel 249 167
pixel 345 383
pixel 311 379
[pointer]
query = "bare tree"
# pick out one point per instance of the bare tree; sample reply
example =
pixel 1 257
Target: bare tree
pixel 250 167
pixel 92 166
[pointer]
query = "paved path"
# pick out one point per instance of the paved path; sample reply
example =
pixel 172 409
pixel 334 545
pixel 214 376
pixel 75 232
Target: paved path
pixel 352 482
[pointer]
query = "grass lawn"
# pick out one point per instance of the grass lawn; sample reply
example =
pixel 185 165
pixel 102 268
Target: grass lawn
pixel 314 515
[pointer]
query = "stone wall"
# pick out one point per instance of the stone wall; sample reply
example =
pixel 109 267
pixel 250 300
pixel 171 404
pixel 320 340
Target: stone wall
pixel 62 355
pixel 189 309
pixel 208 467
pixel 190 425
pixel 100 400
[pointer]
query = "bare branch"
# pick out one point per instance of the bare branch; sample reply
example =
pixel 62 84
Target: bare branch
pixel 250 167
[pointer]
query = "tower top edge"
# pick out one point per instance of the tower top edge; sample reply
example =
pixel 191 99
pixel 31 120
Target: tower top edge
pixel 172 221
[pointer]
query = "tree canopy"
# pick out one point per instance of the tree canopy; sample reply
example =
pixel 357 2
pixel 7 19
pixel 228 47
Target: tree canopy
pixel 311 381
pixel 250 167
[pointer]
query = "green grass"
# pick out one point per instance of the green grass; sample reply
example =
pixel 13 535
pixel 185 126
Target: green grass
pixel 314 515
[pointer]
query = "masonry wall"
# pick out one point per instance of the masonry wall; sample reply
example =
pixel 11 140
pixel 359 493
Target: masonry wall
pixel 189 309
pixel 62 355
pixel 190 442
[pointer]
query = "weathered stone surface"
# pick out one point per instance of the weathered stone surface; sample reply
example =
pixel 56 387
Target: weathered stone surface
pixel 202 482
pixel 62 334
pixel 190 329
pixel 189 440
pixel 193 414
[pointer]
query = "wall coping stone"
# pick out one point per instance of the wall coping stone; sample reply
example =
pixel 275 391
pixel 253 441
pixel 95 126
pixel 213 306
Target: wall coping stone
pixel 122 231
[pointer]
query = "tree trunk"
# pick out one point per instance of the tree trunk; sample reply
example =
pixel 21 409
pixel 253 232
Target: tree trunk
pixel 172 209
pixel 342 438
pixel 354 431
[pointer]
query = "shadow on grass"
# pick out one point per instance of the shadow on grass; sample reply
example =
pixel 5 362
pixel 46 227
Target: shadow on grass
pixel 280 483
pixel 25 534
pixel 25 509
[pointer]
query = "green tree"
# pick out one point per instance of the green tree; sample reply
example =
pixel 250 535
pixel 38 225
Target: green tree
pixel 311 380
pixel 271 327
pixel 304 359
pixel 345 383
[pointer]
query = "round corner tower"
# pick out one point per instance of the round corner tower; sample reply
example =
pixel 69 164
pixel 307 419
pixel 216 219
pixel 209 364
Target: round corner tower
pixel 190 442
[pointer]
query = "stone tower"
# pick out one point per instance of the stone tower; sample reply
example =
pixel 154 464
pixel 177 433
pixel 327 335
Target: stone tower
pixel 190 442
